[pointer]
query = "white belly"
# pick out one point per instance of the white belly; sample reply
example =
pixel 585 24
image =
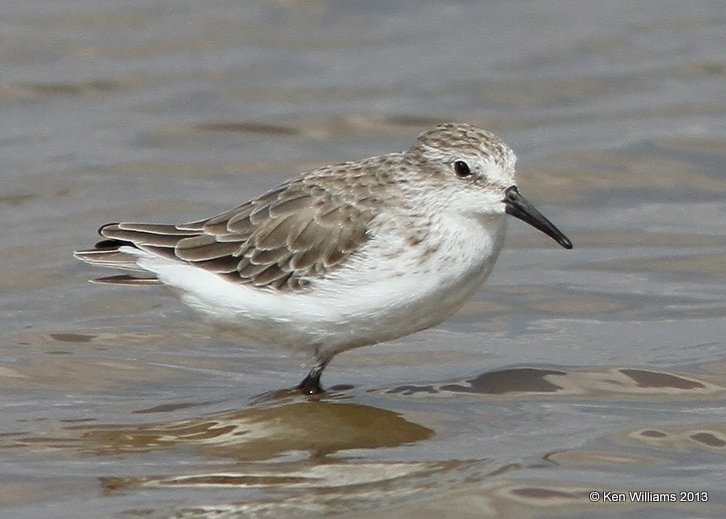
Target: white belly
pixel 387 290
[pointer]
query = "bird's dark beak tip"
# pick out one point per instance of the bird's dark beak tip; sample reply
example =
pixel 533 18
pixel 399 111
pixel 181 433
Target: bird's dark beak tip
pixel 519 207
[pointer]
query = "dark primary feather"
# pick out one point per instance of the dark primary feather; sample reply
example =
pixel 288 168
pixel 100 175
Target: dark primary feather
pixel 300 230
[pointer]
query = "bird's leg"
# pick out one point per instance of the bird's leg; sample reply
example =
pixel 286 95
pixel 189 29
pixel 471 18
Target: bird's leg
pixel 311 384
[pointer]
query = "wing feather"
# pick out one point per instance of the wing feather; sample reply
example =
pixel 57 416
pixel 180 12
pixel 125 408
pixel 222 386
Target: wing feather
pixel 282 240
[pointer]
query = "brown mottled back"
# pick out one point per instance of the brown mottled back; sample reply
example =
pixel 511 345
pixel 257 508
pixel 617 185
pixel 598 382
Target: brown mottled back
pixel 282 239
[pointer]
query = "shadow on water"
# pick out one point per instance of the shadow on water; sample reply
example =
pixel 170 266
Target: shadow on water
pixel 610 382
pixel 305 447
pixel 319 428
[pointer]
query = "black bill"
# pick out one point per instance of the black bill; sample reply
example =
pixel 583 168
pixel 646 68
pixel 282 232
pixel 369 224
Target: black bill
pixel 518 207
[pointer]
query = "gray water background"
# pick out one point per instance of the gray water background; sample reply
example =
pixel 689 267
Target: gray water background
pixel 596 369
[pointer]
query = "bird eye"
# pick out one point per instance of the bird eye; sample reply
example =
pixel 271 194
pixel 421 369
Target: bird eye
pixel 461 169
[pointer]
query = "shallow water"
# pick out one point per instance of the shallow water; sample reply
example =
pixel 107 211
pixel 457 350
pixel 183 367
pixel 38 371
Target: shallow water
pixel 597 369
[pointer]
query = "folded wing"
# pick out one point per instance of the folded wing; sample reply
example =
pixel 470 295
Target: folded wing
pixel 281 240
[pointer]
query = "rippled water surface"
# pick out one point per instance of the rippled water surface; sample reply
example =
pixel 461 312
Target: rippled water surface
pixel 598 369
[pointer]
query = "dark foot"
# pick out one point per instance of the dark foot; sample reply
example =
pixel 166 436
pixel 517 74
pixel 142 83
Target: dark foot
pixel 311 384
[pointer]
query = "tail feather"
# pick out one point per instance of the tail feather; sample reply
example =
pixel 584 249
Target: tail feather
pixel 125 279
pixel 155 235
pixel 124 242
pixel 117 250
pixel 145 228
pixel 109 258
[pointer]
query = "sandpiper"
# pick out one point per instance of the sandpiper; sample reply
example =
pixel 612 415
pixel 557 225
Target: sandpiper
pixel 342 256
